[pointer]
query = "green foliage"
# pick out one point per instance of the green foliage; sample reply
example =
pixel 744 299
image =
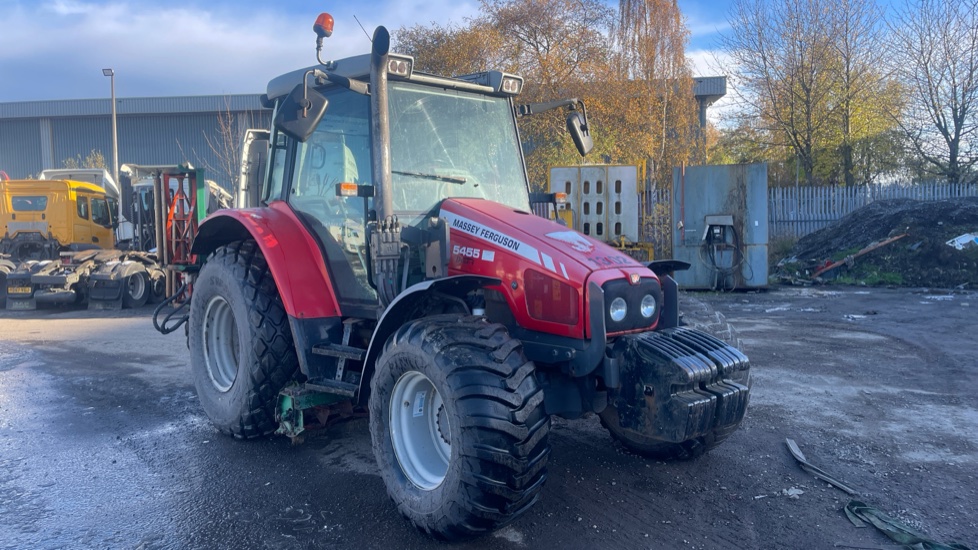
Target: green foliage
pixel 869 276
pixel 841 255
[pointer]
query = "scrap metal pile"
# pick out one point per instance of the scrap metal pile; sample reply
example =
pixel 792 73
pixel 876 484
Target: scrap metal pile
pixel 896 242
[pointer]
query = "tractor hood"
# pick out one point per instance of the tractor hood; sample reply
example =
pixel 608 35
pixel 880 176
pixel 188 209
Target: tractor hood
pixel 547 244
pixel 546 269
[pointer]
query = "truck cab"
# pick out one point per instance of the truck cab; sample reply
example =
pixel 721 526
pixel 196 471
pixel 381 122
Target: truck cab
pixel 40 218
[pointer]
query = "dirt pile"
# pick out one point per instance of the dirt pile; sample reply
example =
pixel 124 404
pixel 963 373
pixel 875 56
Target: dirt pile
pixel 921 259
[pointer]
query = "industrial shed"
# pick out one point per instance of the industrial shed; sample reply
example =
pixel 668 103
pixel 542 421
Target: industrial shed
pixel 35 135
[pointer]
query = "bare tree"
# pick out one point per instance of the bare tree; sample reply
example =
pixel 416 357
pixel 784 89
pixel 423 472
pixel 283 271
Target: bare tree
pixel 934 50
pixel 783 55
pixel 225 145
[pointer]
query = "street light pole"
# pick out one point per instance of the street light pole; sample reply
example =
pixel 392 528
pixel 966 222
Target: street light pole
pixel 115 132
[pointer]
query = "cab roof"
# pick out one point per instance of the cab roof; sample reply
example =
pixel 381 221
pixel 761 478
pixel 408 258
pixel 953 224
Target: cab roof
pixel 35 186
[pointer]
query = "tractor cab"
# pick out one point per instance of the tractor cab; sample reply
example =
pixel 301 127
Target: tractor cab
pixel 365 150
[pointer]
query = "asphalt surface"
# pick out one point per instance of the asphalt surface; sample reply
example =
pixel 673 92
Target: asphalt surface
pixel 103 444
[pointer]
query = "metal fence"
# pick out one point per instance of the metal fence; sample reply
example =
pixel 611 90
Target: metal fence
pixel 793 212
pixel 798 211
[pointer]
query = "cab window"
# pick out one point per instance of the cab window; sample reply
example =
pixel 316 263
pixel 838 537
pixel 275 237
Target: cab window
pixel 83 207
pixel 29 204
pixel 276 173
pixel 100 212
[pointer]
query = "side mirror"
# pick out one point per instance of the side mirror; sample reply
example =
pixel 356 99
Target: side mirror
pixel 580 133
pixel 300 112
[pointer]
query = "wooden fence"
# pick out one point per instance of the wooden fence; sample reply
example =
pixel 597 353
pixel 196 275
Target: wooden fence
pixel 798 211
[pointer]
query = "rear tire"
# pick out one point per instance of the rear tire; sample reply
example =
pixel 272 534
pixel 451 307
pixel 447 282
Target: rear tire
pixel 458 426
pixel 135 292
pixel 241 346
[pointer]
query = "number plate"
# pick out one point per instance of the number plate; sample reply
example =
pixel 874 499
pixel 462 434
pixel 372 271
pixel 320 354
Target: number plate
pixel 20 304
pixel 19 290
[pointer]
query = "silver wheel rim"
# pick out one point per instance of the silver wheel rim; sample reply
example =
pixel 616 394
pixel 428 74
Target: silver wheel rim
pixel 420 431
pixel 220 335
pixel 137 286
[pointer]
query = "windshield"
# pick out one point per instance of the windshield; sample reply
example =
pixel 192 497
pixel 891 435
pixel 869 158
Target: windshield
pixel 450 143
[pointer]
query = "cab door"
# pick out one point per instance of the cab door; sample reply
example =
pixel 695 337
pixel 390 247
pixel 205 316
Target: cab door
pixel 82 226
pixel 102 223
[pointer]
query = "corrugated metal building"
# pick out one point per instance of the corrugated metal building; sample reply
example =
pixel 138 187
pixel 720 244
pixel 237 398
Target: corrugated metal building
pixel 35 135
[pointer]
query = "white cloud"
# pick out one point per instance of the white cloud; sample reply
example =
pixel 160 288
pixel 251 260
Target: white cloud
pixel 699 27
pixel 179 48
pixel 68 7
pixel 708 62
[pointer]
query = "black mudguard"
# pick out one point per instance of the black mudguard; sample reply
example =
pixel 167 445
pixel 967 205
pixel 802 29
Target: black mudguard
pixel 679 383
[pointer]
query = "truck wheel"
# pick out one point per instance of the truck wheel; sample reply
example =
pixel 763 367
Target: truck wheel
pixel 136 291
pixel 6 267
pixel 241 346
pixel 458 426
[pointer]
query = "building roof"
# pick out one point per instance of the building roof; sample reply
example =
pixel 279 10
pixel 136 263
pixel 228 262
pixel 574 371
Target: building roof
pixel 130 106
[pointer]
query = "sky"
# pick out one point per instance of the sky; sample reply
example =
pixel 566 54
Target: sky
pixel 56 49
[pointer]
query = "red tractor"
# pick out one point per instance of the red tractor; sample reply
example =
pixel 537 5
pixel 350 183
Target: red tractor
pixel 390 262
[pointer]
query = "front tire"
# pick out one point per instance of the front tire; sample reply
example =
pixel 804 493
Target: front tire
pixel 458 426
pixel 241 346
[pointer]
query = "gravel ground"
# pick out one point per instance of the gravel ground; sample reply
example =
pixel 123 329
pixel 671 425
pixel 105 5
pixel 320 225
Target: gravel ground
pixel 103 444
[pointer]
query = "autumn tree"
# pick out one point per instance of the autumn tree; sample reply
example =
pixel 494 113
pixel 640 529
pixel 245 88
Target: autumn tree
pixel 452 50
pixel 561 49
pixel 857 38
pixel 934 51
pixel 650 37
pixel 638 89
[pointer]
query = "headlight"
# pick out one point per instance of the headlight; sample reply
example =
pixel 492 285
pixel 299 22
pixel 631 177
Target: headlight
pixel 648 306
pixel 618 309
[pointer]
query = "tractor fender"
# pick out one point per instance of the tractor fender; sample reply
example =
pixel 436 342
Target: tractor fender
pixel 405 308
pixel 294 258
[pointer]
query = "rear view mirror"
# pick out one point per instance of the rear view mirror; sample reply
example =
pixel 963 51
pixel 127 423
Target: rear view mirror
pixel 578 128
pixel 300 112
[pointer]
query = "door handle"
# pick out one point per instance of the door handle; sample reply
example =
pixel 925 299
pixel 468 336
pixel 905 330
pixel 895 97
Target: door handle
pixel 94 239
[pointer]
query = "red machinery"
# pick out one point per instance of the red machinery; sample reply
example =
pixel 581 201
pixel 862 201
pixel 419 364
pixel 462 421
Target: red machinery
pixel 389 261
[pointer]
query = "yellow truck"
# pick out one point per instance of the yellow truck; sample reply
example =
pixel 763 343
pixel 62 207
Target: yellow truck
pixel 40 218
pixel 58 246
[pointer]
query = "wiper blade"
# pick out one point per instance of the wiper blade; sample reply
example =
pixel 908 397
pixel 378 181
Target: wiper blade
pixel 450 179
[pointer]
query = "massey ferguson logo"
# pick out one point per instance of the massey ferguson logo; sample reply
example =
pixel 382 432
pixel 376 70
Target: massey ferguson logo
pixel 573 238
